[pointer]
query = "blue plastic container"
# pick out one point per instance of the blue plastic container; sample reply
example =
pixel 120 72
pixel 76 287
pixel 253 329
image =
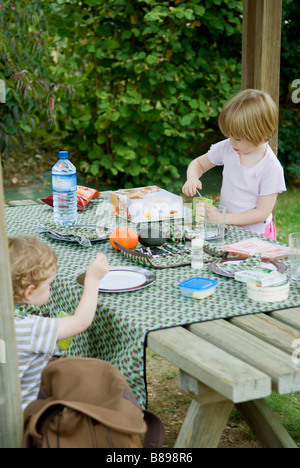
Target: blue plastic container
pixel 198 287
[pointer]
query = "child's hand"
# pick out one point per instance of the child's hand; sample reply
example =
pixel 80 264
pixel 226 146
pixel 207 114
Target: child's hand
pixel 85 311
pixel 191 186
pixel 200 210
pixel 98 268
pixel 213 215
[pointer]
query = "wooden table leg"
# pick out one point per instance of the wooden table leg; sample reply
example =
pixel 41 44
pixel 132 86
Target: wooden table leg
pixel 265 424
pixel 206 417
pixel 203 425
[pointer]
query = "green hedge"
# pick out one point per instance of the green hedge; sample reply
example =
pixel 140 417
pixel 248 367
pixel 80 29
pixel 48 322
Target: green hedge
pixel 289 133
pixel 150 79
pixel 30 87
pixel 132 88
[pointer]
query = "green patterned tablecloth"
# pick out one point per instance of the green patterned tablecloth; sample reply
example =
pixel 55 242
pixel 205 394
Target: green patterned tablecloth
pixel 119 331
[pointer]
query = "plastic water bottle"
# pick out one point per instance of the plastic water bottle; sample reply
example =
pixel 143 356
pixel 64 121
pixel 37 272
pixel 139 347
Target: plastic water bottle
pixel 64 186
pixel 197 253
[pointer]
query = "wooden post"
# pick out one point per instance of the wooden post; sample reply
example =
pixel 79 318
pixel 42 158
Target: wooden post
pixel 11 417
pixel 261 48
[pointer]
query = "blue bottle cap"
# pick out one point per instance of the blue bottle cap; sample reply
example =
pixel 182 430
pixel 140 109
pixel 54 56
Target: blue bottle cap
pixel 63 155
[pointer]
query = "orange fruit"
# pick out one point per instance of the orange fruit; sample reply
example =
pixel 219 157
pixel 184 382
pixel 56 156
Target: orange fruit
pixel 126 237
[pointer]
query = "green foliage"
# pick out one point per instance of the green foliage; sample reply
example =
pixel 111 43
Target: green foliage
pixel 289 142
pixel 149 77
pixel 289 136
pixel 25 55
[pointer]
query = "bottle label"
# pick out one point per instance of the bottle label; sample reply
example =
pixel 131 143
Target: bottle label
pixel 64 183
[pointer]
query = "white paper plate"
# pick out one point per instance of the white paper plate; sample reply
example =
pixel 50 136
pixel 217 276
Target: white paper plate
pixel 269 294
pixel 123 279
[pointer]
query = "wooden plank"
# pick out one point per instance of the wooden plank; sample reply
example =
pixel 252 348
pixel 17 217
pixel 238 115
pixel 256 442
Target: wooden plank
pixel 203 425
pixel 217 369
pixel 265 425
pixel 254 351
pixel 268 329
pixel 11 417
pixel 289 316
pixel 197 390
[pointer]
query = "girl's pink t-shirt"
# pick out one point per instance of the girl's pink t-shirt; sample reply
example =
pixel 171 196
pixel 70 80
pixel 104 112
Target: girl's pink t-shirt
pixel 243 185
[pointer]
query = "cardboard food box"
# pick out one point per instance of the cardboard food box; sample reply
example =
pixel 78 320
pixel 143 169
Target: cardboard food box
pixel 255 245
pixel 198 208
pixel 261 277
pixel 146 204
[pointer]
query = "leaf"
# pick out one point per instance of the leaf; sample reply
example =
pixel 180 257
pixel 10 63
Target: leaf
pixel 94 168
pixel 146 106
pixel 185 120
pixel 199 10
pixel 169 53
pixel 91 2
pixel 126 35
pixel 83 145
pixel 86 117
pixel 101 139
pixel 26 128
pixel 113 44
pixel 114 116
pixel 193 103
pixel 133 19
pixel 151 59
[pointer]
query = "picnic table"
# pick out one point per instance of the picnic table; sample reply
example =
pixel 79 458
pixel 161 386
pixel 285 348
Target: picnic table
pixel 233 362
pixel 230 350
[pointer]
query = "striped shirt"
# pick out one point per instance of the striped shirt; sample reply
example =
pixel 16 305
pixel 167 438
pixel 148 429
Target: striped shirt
pixel 36 339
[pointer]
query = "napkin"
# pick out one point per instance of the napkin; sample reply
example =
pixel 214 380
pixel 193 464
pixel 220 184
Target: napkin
pixel 84 235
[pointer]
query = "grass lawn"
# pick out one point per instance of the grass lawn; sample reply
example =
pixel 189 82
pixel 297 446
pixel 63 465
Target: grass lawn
pixel 287 216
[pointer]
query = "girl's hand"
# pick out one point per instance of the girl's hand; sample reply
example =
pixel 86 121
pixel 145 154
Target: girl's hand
pixel 209 213
pixel 85 311
pixel 200 210
pixel 191 186
pixel 213 215
pixel 98 268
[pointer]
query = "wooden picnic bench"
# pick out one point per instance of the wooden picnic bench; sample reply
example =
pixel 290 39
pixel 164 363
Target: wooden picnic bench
pixel 233 362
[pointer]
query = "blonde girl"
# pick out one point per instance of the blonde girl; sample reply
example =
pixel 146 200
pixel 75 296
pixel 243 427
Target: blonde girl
pixel 33 268
pixel 252 174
